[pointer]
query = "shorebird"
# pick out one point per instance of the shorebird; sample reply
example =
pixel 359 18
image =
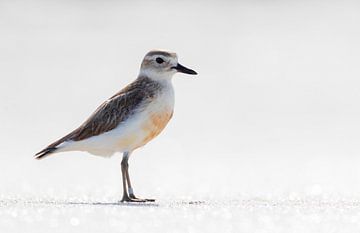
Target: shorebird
pixel 130 118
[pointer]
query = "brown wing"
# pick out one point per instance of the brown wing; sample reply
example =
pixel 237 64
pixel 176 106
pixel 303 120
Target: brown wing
pixel 110 114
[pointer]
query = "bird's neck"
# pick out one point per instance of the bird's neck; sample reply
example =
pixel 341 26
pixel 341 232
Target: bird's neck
pixel 165 90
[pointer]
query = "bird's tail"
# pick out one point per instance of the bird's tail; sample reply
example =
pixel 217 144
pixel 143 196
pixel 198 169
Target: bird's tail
pixel 52 148
pixel 45 152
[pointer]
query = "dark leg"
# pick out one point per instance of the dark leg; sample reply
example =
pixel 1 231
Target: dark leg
pixel 124 165
pixel 130 189
pixel 130 196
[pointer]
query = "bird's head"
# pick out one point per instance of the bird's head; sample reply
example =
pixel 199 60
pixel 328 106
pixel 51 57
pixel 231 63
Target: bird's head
pixel 158 64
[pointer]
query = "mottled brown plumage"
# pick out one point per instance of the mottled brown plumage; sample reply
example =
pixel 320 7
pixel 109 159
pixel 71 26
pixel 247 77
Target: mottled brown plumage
pixel 112 112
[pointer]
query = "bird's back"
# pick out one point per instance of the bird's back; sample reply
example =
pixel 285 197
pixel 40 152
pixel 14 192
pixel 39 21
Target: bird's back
pixel 116 123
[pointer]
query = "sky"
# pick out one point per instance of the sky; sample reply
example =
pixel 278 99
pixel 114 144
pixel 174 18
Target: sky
pixel 274 109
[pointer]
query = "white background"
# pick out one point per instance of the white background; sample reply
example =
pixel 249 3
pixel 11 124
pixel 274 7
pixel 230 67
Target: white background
pixel 272 116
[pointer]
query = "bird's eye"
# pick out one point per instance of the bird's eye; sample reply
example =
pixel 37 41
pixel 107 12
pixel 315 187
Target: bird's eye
pixel 159 60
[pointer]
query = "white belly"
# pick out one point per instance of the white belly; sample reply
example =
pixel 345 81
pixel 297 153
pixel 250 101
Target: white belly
pixel 135 132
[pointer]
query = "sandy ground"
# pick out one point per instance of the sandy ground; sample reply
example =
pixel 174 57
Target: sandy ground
pixel 249 194
pixel 233 215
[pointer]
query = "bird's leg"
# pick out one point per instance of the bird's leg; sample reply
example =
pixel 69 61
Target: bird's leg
pixel 129 187
pixel 126 180
pixel 130 195
pixel 124 164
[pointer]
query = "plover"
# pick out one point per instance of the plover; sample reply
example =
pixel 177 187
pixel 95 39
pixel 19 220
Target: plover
pixel 129 119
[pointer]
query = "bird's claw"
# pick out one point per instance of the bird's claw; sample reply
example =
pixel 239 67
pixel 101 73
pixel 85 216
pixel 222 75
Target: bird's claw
pixel 132 198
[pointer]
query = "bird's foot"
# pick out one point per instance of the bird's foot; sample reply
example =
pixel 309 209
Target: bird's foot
pixel 132 198
pixel 145 199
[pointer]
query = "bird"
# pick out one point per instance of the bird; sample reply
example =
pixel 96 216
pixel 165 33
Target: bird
pixel 129 119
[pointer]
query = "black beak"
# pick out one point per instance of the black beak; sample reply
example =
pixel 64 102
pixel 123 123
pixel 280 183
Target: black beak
pixel 183 69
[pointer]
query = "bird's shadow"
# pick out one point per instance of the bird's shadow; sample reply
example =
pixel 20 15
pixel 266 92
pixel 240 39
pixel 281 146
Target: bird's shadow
pixel 90 203
pixel 109 204
pixel 97 203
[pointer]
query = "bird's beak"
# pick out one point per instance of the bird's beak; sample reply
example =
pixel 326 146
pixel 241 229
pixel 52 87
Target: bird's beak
pixel 182 69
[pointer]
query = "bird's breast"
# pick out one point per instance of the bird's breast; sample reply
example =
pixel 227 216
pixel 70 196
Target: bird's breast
pixel 149 122
pixel 157 115
pixel 154 124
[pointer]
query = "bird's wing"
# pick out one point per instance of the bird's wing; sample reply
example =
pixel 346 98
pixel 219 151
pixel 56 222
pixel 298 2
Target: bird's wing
pixel 110 114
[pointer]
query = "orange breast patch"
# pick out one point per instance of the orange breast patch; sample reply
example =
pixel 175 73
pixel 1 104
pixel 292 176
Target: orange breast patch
pixel 155 124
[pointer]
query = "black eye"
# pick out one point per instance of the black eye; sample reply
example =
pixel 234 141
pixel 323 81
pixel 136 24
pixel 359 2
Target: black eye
pixel 159 60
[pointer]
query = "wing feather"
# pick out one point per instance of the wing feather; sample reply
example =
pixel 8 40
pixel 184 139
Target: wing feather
pixel 110 114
